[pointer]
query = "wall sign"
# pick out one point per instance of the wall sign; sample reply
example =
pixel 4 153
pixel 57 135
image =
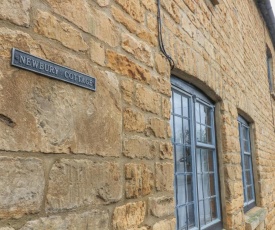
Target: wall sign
pixel 38 65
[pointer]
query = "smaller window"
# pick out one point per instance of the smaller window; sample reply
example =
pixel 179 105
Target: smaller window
pixel 247 169
pixel 269 69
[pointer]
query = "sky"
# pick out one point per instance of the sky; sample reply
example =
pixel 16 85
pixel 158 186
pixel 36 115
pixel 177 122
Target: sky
pixel 273 5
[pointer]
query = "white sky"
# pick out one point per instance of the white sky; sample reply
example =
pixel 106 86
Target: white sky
pixel 273 5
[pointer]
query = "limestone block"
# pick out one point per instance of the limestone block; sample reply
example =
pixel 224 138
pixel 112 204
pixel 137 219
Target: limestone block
pixel 139 49
pixel 48 25
pixel 133 8
pixel 165 225
pixel 162 64
pixel 21 186
pixel 92 220
pixel 139 180
pixel 150 5
pixel 139 147
pixel 161 84
pixel 123 65
pixel 166 107
pixel 161 206
pixel 166 150
pixel 97 52
pixel 6 228
pixel 127 88
pixel 133 120
pixel 129 216
pixel 164 176
pixel 158 127
pixel 78 183
pixel 103 2
pixel 147 99
pixel 16 11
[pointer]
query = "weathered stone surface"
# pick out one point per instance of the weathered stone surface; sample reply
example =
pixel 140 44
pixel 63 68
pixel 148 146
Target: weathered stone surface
pixel 16 11
pixel 139 147
pixel 166 107
pixel 165 225
pixel 139 49
pixel 78 183
pixel 133 120
pixel 158 127
pixel 147 99
pixel 161 206
pixel 92 220
pixel 48 25
pixel 166 150
pixel 162 64
pixel 161 85
pixel 49 117
pixel 103 2
pixel 6 228
pixel 133 8
pixel 21 186
pixel 97 52
pixel 123 65
pixel 129 216
pixel 127 87
pixel 139 180
pixel 164 176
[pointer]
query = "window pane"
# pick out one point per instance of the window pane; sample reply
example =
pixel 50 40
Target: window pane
pixel 186 135
pixel 201 212
pixel 178 130
pixel 213 209
pixel 249 193
pixel 204 158
pixel 246 161
pixel 190 196
pixel 210 161
pixel 198 154
pixel 212 184
pixel 191 216
pixel 172 127
pixel 189 167
pixel 203 134
pixel 246 147
pixel 180 158
pixel 206 189
pixel 203 111
pixel 182 217
pixel 245 133
pixel 198 132
pixel 181 196
pixel 209 135
pixel 197 112
pixel 177 104
pixel 185 109
pixel 200 187
pixel 248 177
pixel 207 211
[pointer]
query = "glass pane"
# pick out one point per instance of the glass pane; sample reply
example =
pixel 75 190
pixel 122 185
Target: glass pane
pixel 191 216
pixel 249 193
pixel 204 158
pixel 201 213
pixel 188 159
pixel 181 196
pixel 245 133
pixel 210 161
pixel 182 217
pixel 186 136
pixel 207 211
pixel 197 113
pixel 177 104
pixel 206 189
pixel 203 111
pixel 208 135
pixel 180 158
pixel 248 177
pixel 190 194
pixel 198 132
pixel 200 188
pixel 212 184
pixel 198 159
pixel 213 209
pixel 246 162
pixel 203 134
pixel 172 127
pixel 185 109
pixel 246 146
pixel 178 130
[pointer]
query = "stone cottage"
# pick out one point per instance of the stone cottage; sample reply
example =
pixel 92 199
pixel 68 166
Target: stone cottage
pixel 137 115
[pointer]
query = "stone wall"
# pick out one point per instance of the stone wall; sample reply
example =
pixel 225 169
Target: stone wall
pixel 77 159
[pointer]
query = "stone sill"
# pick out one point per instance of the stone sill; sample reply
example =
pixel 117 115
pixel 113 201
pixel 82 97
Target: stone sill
pixel 254 217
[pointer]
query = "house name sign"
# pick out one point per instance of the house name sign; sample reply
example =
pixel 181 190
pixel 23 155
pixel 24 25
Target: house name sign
pixel 38 65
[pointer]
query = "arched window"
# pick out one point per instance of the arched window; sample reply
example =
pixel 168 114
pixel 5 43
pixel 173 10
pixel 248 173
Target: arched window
pixel 196 173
